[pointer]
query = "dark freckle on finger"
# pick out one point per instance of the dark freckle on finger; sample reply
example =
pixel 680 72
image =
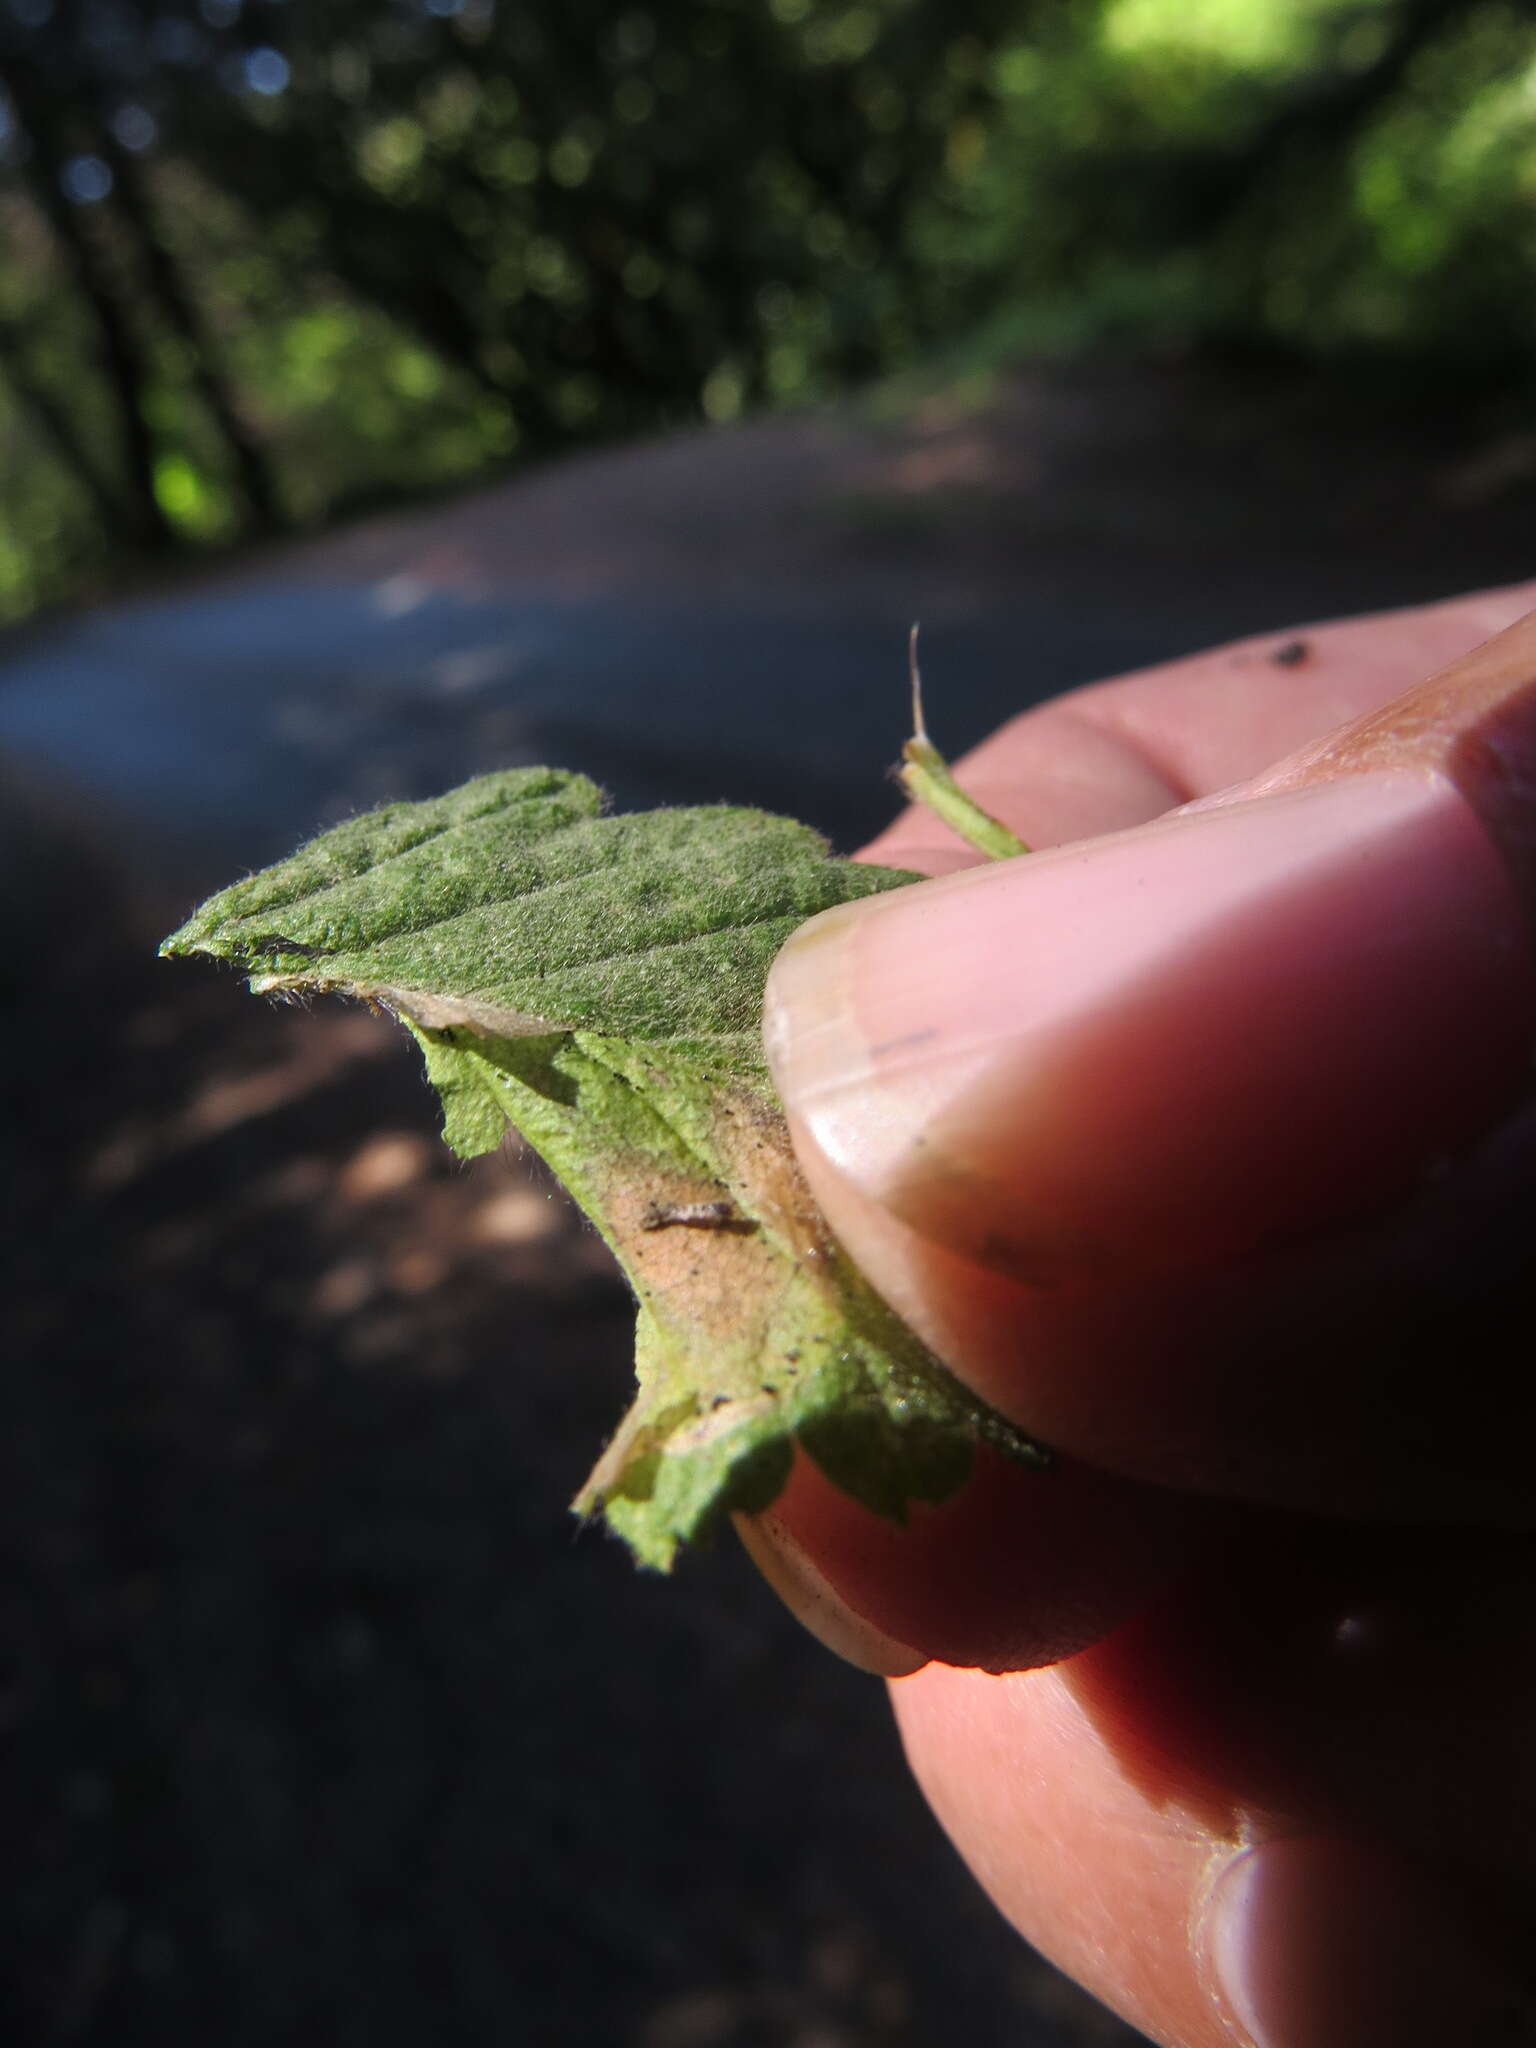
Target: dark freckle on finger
pixel 1292 654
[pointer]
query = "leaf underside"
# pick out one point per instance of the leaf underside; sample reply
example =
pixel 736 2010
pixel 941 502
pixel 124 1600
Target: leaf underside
pixel 597 983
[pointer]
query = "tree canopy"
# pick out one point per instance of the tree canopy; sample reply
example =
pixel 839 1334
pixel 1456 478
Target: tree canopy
pixel 264 263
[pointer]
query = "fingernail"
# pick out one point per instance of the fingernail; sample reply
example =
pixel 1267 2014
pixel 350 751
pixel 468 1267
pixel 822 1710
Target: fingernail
pixel 1189 1037
pixel 1311 1943
pixel 817 1607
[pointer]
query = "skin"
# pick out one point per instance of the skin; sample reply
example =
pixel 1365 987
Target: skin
pixel 1232 1721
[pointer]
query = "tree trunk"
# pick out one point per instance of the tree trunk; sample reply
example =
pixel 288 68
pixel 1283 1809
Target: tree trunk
pixel 123 360
pixel 55 426
pixel 162 272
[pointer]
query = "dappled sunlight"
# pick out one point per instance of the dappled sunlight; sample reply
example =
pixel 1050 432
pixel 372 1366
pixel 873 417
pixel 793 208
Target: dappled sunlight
pixel 960 460
pixel 520 1216
pixel 226 1101
pixel 1236 35
pixel 387 1163
pixel 222 1101
pixel 395 596
pixel 343 1289
pixel 300 1152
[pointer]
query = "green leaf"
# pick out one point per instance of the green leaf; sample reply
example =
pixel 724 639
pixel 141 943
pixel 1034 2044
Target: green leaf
pixel 597 982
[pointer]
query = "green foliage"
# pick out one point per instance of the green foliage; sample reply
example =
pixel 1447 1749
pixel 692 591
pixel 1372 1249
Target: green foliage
pixel 451 237
pixel 597 982
pixel 428 241
pixel 1342 184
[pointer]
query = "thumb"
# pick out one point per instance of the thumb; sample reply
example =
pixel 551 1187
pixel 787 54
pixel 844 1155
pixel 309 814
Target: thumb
pixel 1035 1098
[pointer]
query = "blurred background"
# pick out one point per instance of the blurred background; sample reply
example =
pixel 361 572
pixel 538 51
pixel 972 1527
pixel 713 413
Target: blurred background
pixel 267 264
pixel 396 389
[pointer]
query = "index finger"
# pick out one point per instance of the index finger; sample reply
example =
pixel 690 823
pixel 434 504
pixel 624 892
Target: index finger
pixel 1120 752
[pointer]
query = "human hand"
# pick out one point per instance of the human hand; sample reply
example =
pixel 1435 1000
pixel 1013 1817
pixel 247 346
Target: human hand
pixel 1206 1151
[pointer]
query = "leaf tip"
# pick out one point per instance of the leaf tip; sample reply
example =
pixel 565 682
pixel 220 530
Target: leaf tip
pixel 919 729
pixel 182 943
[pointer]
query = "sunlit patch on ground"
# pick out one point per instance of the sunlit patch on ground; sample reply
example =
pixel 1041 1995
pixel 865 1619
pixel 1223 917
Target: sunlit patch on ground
pixel 518 1216
pixel 383 1166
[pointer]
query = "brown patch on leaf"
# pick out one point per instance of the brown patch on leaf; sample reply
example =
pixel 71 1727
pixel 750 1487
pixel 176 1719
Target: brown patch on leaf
pixel 712 1295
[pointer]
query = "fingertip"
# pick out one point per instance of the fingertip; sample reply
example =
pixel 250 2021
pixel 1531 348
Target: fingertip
pixel 793 1573
pixel 1020 1568
pixel 1176 1043
pixel 1311 1942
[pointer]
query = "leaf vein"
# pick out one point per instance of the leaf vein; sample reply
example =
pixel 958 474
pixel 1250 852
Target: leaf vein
pixel 307 892
pixel 745 924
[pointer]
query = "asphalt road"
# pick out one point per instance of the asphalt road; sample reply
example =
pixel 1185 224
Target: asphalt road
pixel 231 725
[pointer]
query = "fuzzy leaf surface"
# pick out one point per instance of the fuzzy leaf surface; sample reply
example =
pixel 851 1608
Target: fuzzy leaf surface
pixel 597 983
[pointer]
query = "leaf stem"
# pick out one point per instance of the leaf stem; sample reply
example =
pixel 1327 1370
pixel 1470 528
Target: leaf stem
pixel 927 779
